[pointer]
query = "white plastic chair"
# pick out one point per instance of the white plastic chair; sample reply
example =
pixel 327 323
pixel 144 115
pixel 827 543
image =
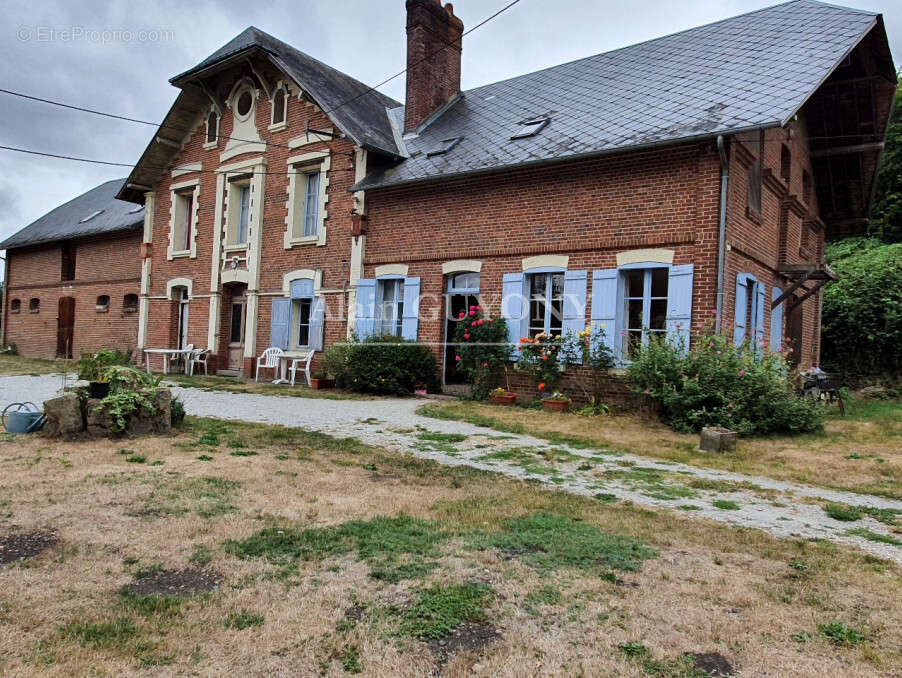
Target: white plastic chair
pixel 198 357
pixel 269 360
pixel 183 359
pixel 296 365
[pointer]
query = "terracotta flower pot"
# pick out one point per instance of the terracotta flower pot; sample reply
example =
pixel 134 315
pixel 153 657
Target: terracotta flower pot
pixel 322 383
pixel 507 399
pixel 555 405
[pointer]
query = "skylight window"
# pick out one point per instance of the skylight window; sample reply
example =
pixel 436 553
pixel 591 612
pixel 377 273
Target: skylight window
pixel 91 216
pixel 444 146
pixel 529 128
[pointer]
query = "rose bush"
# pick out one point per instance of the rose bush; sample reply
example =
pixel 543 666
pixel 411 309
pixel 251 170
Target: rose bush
pixel 481 348
pixel 540 358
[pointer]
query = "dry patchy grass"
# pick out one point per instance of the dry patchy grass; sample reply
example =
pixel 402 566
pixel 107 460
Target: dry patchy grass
pixel 17 365
pixel 861 452
pixel 303 591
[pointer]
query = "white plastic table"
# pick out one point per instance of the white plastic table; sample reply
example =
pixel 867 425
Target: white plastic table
pixel 167 353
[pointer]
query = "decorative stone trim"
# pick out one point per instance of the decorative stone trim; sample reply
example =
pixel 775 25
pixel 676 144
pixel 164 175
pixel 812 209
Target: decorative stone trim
pixel 180 282
pixel 546 261
pixel 295 165
pixel 233 275
pixel 658 256
pixel 316 275
pixel 462 266
pixel 391 269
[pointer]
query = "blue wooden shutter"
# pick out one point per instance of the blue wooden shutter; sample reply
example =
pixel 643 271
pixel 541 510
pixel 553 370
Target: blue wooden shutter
pixel 760 294
pixel 366 307
pixel 739 314
pixel 574 319
pixel 279 324
pixel 411 318
pixel 604 305
pixel 513 309
pixel 317 323
pixel 301 289
pixel 679 305
pixel 776 321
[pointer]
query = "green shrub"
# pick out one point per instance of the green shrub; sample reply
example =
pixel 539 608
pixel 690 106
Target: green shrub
pixel 589 349
pixel 862 318
pixel 177 412
pixel 334 362
pixel 390 365
pixel 93 366
pixel 719 384
pixel 482 349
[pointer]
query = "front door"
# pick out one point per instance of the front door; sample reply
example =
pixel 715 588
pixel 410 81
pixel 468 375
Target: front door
pixel 463 289
pixel 236 334
pixel 65 329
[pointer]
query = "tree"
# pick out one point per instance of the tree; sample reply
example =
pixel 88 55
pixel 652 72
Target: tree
pixel 886 213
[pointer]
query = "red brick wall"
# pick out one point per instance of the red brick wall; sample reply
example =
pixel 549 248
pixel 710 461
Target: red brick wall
pixel 332 258
pixel 104 266
pixel 760 246
pixel 590 210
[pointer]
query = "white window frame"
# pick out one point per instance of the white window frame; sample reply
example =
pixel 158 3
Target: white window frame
pixel 234 190
pixel 176 203
pixel 397 303
pixel 549 307
pixel 623 305
pixel 207 143
pixel 296 305
pixel 299 167
pixel 286 94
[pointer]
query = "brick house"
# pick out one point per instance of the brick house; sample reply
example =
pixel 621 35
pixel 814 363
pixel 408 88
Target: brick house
pixel 73 276
pixel 645 189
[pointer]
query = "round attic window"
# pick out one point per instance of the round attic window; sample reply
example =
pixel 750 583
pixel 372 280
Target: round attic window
pixel 244 104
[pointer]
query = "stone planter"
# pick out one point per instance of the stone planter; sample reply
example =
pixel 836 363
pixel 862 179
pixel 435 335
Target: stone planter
pixel 555 405
pixel 718 439
pixel 506 399
pixel 322 383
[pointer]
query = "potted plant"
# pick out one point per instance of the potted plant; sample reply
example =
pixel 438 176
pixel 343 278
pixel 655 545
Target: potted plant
pixel 556 402
pixel 419 388
pixel 321 380
pixel 501 396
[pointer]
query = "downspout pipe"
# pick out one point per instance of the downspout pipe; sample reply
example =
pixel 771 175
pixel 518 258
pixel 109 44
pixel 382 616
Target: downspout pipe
pixel 721 230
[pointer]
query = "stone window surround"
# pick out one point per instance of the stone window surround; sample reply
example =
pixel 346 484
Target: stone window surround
pixel 279 126
pixel 310 159
pixel 211 144
pixel 231 211
pixel 174 190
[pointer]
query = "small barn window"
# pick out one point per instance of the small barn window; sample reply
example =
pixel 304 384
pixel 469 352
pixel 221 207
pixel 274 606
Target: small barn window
pixel 279 101
pixel 15 306
pixel 130 303
pixel 212 127
pixel 103 303
pixel 34 305
pixel 67 262
pixel 785 163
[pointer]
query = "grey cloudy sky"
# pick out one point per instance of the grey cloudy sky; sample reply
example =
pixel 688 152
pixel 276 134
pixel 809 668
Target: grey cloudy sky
pixel 79 52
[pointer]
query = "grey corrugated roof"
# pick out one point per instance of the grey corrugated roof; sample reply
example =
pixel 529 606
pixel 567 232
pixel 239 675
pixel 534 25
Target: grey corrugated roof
pixel 64 222
pixel 357 110
pixel 753 70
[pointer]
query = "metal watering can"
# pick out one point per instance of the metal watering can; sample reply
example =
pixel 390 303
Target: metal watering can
pixel 22 418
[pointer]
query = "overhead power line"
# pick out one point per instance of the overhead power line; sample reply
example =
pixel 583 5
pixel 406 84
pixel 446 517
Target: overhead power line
pixel 176 128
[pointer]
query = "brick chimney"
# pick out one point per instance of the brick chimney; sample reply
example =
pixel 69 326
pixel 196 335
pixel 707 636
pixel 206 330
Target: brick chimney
pixel 433 59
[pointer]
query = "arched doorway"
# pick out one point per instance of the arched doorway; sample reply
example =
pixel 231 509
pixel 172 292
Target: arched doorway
pixel 65 327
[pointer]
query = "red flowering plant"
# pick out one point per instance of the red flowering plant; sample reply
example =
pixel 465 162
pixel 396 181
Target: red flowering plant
pixel 481 348
pixel 540 358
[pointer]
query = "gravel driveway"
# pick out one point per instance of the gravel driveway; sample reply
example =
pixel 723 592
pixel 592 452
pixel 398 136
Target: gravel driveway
pixel 780 508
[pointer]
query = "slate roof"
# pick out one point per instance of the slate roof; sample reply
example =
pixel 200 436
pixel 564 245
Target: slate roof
pixel 750 71
pixel 356 109
pixel 64 222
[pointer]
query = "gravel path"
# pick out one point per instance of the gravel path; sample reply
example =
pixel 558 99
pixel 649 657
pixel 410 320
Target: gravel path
pixel 780 508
